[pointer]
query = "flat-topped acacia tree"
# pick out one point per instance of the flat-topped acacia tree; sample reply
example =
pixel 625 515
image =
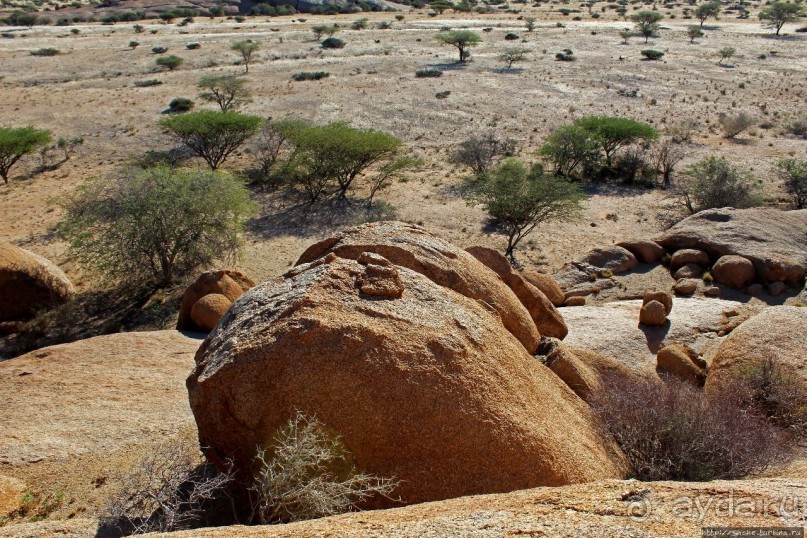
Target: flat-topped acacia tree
pixel 212 135
pixel 462 39
pixel 647 23
pixel 613 133
pixel 16 142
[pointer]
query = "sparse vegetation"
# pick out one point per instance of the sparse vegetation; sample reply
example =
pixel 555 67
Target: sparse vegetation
pixel 428 73
pixel 153 225
pixel 45 52
pixel 480 153
pixel 310 75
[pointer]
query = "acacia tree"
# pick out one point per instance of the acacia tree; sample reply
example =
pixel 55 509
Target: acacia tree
pixel 16 142
pixel 247 49
pixel 212 135
pixel 337 154
pixel 779 13
pixel 708 9
pixel 462 39
pixel 572 150
pixel 613 133
pixel 694 31
pixel 227 91
pixel 511 56
pixel 152 225
pixel 518 199
pixel 647 23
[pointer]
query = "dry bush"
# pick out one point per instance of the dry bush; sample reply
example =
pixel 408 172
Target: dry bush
pixel 734 124
pixel 479 153
pixel 168 490
pixel 772 390
pixel 673 431
pixel 308 474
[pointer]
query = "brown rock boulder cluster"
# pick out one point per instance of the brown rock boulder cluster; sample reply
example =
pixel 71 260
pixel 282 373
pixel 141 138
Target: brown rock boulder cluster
pixel 28 283
pixel 414 352
pixel 683 362
pixel 208 298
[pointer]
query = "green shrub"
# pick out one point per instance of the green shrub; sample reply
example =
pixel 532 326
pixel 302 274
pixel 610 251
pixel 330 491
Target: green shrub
pixel 169 62
pixel 180 104
pixel 16 142
pixel 193 46
pixel 511 37
pixel 428 73
pixel 333 43
pixel 793 174
pixel 317 75
pixel 714 183
pixel 147 83
pixel 159 50
pixel 651 54
pixel 567 55
pixel 45 52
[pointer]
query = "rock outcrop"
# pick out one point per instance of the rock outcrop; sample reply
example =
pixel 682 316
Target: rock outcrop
pixel 546 284
pixel 441 262
pixel 613 258
pixel 645 251
pixel 424 387
pixel 687 256
pixel 683 362
pixel 773 240
pixel 94 396
pixel 652 314
pixel 543 312
pixel 225 287
pixel 778 333
pixel 28 283
pixel 734 271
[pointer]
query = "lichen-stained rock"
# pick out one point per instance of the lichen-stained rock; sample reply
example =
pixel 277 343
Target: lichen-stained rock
pixel 441 262
pixel 775 241
pixel 29 282
pixel 428 388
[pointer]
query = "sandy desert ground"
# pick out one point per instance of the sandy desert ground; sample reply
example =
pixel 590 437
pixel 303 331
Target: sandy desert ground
pixel 88 91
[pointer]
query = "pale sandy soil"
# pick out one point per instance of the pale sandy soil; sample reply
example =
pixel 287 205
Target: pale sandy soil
pixel 88 91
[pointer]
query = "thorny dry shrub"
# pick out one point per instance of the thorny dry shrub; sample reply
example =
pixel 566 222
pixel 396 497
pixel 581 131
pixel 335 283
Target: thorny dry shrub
pixel 674 431
pixel 307 474
pixel 168 490
pixel 772 390
pixel 479 153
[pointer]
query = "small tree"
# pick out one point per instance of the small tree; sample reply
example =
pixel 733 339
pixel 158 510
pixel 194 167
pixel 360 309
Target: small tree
pixel 511 56
pixel 613 133
pixel 725 53
pixel 714 183
pixel 708 9
pixel 462 39
pixel 153 225
pixel 734 124
pixel 647 23
pixel 227 91
pixel 779 13
pixel 247 49
pixel 69 145
pixel 16 142
pixel 529 22
pixel 665 156
pixel 693 32
pixel 625 35
pixel 169 62
pixel 318 30
pixel 572 150
pixel 480 152
pixel 794 175
pixel 212 135
pixel 519 198
pixel 441 5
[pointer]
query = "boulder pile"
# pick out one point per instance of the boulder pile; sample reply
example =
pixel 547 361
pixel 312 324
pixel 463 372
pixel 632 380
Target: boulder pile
pixel 410 350
pixel 209 297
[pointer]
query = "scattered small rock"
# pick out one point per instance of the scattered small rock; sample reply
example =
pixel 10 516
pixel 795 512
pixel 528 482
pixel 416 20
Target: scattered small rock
pixel 653 314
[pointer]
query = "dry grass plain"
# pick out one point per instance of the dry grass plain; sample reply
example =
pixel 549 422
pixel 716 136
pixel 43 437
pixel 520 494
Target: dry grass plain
pixel 89 91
